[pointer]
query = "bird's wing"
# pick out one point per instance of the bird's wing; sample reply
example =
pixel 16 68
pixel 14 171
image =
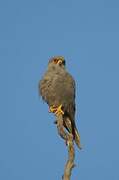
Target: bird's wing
pixel 69 116
pixel 45 85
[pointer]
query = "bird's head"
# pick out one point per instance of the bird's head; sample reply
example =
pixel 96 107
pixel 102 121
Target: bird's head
pixel 57 61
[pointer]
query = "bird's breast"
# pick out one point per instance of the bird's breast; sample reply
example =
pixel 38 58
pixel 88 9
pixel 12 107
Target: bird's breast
pixel 57 88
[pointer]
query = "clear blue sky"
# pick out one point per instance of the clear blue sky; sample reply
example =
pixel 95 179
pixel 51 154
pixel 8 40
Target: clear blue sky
pixel 87 34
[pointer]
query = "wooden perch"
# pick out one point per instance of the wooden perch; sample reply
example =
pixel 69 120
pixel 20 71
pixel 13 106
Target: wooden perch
pixel 71 151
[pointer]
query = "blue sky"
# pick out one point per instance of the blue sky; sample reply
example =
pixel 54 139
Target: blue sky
pixel 86 33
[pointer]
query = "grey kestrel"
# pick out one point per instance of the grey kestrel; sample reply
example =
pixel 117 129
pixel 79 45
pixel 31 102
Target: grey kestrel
pixel 57 89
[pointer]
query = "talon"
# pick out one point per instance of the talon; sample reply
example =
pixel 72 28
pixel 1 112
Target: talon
pixel 57 110
pixel 52 109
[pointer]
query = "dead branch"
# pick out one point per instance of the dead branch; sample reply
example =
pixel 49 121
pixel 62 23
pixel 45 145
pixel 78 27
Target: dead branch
pixel 70 145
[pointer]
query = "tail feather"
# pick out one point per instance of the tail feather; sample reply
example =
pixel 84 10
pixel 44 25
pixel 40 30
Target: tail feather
pixel 77 138
pixel 71 128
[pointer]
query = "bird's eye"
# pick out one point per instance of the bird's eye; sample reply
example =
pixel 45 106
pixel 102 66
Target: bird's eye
pixel 55 61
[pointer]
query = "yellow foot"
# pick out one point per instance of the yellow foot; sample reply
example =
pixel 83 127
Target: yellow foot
pixel 57 110
pixel 52 109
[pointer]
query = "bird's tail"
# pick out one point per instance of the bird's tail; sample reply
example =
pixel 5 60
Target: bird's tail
pixel 77 138
pixel 71 128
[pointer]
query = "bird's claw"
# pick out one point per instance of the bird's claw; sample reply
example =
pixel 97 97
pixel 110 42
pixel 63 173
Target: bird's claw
pixel 56 110
pixel 52 109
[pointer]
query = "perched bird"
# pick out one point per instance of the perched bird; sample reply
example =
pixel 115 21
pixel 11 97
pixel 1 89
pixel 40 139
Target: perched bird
pixel 57 88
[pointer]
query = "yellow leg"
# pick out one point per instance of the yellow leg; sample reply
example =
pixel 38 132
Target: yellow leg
pixel 57 110
pixel 52 109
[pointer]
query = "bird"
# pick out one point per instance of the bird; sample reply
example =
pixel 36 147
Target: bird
pixel 57 88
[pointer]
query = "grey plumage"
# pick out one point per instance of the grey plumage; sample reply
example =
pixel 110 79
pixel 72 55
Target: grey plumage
pixel 58 87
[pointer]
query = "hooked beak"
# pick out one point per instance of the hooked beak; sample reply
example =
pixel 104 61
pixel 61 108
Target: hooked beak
pixel 59 62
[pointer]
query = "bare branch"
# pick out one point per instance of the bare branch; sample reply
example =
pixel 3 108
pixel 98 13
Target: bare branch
pixel 71 151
